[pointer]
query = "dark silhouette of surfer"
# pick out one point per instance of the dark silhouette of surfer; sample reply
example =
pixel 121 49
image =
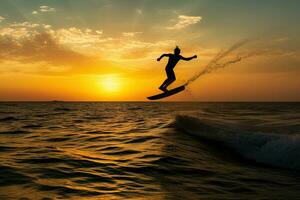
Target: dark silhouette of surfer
pixel 173 60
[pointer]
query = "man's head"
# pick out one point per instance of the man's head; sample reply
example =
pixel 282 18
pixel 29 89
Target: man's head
pixel 177 50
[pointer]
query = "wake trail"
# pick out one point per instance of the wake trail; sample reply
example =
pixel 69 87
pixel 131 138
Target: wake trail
pixel 215 62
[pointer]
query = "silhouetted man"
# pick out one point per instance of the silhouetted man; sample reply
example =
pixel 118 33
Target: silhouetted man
pixel 173 60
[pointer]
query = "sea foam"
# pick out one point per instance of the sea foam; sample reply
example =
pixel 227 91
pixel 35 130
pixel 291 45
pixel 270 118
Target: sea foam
pixel 269 148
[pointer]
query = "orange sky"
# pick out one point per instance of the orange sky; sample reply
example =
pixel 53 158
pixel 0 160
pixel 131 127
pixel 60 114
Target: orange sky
pixel 92 51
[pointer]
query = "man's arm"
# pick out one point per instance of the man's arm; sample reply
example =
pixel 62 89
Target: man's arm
pixel 188 58
pixel 164 55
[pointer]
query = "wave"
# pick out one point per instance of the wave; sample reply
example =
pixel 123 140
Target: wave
pixel 5 119
pixel 268 148
pixel 62 109
pixel 12 132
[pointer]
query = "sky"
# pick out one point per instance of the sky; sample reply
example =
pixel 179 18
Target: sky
pixel 106 50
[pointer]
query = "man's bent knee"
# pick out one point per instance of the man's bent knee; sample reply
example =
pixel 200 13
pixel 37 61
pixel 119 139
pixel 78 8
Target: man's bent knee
pixel 172 80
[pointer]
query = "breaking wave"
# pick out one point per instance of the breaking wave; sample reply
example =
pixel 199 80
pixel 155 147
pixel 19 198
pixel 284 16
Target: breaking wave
pixel 268 148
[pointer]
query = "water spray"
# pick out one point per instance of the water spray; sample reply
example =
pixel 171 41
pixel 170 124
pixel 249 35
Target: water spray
pixel 215 62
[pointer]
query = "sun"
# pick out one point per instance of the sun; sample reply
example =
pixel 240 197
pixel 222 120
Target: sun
pixel 110 83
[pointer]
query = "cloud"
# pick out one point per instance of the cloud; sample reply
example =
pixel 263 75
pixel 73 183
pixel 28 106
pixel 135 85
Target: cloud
pixel 83 40
pixel 43 9
pixel 2 18
pixel 47 9
pixel 139 11
pixel 130 34
pixel 21 30
pixel 47 26
pixel 282 39
pixel 75 35
pixel 73 48
pixel 25 25
pixel 29 46
pixel 38 47
pixel 15 33
pixel 184 21
pixel 133 50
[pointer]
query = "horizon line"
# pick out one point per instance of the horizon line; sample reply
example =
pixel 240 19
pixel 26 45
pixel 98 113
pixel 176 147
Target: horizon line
pixel 136 101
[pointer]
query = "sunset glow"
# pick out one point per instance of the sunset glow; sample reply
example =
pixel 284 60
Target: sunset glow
pixel 54 50
pixel 149 99
pixel 110 84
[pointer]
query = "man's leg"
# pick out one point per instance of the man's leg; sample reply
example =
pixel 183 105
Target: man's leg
pixel 162 87
pixel 171 78
pixel 169 81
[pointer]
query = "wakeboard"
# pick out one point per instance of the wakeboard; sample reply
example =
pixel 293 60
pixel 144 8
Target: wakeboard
pixel 167 94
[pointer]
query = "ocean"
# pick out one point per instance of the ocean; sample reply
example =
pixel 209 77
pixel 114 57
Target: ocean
pixel 149 150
